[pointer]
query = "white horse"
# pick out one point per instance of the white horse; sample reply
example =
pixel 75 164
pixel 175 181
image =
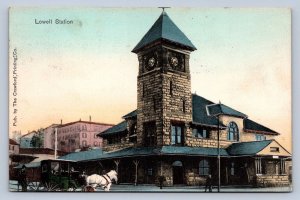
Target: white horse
pixel 104 181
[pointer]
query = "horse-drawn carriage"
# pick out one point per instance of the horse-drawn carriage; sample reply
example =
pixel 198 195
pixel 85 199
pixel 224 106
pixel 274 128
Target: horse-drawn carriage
pixel 63 175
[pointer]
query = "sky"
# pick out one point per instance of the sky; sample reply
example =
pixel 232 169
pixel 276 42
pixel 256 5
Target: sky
pixel 74 71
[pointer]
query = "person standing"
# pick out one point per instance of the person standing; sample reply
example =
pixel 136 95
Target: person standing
pixel 208 183
pixel 23 179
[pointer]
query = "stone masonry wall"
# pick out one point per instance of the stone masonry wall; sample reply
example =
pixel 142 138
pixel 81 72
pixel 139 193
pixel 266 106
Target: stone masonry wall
pixel 164 96
pixel 173 104
pixel 209 142
pixel 272 180
pixel 114 147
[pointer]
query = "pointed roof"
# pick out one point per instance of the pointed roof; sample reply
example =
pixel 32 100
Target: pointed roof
pixel 164 29
pixel 252 126
pixel 221 109
pixel 200 106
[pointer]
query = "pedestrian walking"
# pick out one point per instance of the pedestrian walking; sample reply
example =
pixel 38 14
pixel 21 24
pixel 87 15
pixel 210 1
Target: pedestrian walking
pixel 208 183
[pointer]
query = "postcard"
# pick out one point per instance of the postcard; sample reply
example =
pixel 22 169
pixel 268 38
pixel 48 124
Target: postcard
pixel 150 99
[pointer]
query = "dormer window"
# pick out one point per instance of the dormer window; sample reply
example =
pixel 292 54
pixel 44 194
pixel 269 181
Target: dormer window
pixel 132 134
pixel 233 132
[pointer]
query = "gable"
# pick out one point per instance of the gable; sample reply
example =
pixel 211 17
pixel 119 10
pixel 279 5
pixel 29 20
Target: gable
pixel 272 148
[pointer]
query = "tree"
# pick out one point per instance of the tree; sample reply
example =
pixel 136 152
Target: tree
pixel 37 139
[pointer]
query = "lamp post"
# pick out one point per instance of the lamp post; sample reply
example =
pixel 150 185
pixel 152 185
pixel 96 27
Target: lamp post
pixel 215 110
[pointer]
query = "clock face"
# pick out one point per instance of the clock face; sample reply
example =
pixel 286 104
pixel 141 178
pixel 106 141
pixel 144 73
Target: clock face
pixel 174 61
pixel 150 63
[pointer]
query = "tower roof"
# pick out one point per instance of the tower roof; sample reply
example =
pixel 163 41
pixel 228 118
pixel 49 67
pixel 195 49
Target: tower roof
pixel 164 29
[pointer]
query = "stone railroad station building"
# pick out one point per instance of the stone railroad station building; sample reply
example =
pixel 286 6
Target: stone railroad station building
pixel 174 133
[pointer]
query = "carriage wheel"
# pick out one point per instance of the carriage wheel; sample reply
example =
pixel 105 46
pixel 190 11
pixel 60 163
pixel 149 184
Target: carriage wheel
pixel 72 189
pixel 88 188
pixel 50 187
pixel 35 186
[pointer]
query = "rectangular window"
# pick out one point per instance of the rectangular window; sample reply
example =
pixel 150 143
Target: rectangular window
pixel 183 106
pixel 177 135
pixel 274 149
pixel 200 133
pixel 260 137
pixel 204 167
pixel 149 133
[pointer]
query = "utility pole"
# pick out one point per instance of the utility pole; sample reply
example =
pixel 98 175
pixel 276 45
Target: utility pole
pixel 55 144
pixel 219 160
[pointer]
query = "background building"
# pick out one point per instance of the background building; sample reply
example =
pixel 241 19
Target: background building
pixel 25 140
pixel 49 138
pixel 79 134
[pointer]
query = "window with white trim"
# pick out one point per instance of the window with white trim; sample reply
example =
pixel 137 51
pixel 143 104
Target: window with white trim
pixel 233 132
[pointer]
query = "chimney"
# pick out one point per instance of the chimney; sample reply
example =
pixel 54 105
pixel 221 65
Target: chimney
pixel 61 122
pixel 90 118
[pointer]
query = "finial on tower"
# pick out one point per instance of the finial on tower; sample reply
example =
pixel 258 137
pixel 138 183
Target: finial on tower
pixel 163 9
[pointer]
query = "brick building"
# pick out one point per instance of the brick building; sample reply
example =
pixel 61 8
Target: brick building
pixel 48 136
pixel 175 133
pixel 79 134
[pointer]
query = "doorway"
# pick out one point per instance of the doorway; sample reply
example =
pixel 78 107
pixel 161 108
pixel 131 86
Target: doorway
pixel 178 173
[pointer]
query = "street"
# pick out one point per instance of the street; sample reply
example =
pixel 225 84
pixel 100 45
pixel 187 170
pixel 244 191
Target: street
pixel 179 188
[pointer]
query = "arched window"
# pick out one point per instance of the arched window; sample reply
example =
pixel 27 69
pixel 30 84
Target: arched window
pixel 233 132
pixel 204 167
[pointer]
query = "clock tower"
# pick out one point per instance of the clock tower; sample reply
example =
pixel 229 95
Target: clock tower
pixel 164 108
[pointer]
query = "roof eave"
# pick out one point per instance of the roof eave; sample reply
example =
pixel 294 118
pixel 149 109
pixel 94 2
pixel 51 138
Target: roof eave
pixel 138 48
pixel 262 132
pixel 208 125
pixel 111 133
